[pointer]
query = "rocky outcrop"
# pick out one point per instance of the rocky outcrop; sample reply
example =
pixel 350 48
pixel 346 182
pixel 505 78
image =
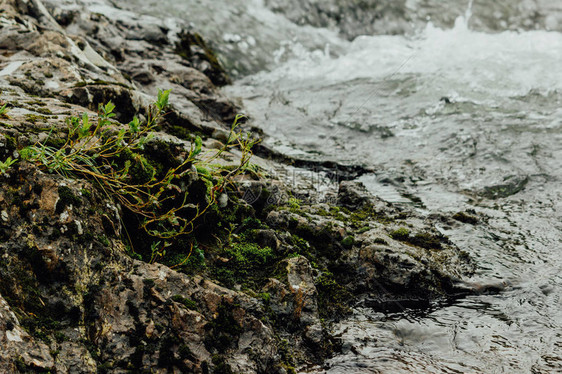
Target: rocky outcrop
pixel 267 275
pixel 90 307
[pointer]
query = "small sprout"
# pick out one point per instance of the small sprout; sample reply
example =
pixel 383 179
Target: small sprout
pixel 162 101
pixel 107 110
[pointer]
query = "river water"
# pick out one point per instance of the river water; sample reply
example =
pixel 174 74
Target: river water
pixel 453 107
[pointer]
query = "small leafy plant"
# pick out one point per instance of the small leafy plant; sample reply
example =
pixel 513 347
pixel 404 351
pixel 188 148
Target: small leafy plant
pixel 4 110
pixel 6 165
pixel 113 157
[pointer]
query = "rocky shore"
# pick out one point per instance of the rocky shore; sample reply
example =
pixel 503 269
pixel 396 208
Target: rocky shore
pixel 281 251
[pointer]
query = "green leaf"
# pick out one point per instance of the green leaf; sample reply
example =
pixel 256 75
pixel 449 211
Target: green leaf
pixel 134 125
pixel 202 170
pixel 108 109
pixel 4 166
pixel 3 109
pixel 85 125
pixel 198 144
pixel 162 101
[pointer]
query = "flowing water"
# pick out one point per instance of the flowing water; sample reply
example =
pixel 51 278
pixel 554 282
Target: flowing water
pixel 453 108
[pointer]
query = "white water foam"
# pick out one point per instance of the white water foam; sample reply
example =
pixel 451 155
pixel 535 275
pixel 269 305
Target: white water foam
pixel 472 63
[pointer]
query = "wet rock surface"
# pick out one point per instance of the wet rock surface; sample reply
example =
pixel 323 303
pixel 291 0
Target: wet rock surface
pixel 73 300
pixel 352 18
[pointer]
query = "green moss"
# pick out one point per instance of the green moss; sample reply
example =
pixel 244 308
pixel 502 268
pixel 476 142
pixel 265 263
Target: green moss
pixel 182 132
pixel 66 198
pixel 380 241
pixel 189 304
pixel 294 204
pixel 363 229
pixel 286 355
pixel 333 299
pixel 465 218
pixel 247 264
pixel 46 111
pixel 221 366
pixel 33 118
pixel 36 102
pixel 104 240
pixel 348 241
pixel 249 254
pixel 426 240
pixel 43 327
pixel 422 239
pixel 402 234
pixel 265 296
pixel 141 170
pixel 55 142
pixel 302 246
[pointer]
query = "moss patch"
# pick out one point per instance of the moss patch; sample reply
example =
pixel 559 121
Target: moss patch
pixel 66 198
pixel 465 218
pixel 421 239
pixel 333 298
pixel 188 303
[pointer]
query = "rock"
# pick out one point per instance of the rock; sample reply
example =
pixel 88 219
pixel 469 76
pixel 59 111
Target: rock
pixel 75 358
pixel 267 238
pixel 352 195
pixel 510 186
pixel 18 348
pixel 73 295
pixel 193 48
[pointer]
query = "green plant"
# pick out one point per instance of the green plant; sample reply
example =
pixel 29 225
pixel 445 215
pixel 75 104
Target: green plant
pixel 113 157
pixel 249 254
pixel 158 249
pixel 294 203
pixel 4 110
pixel 4 166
